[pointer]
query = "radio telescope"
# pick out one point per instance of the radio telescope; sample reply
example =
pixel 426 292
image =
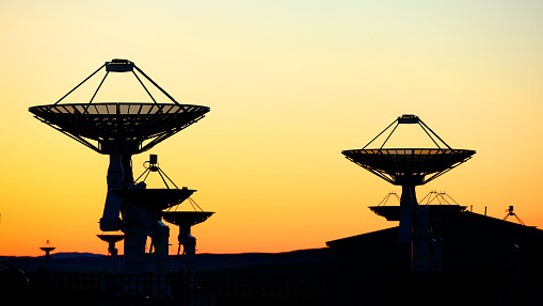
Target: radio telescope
pixel 120 130
pixel 408 167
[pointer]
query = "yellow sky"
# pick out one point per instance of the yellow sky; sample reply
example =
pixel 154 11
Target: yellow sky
pixel 290 85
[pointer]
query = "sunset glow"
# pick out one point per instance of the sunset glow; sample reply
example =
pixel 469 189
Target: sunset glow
pixel 289 84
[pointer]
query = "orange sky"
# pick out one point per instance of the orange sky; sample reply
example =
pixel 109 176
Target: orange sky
pixel 290 85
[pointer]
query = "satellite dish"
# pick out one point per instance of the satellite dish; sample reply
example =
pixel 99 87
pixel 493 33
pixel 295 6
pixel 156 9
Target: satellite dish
pixel 408 167
pixel 121 129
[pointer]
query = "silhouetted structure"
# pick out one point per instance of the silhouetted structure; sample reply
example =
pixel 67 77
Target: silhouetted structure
pixel 185 220
pixel 111 240
pixel 47 248
pixel 473 258
pixel 510 212
pixel 455 256
pixel 120 130
pixel 410 167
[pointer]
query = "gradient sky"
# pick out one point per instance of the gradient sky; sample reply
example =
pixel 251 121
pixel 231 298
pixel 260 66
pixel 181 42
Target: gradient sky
pixel 290 85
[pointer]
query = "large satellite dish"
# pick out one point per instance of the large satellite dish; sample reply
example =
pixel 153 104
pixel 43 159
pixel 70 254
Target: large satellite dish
pixel 414 166
pixel 129 127
pixel 408 167
pixel 121 129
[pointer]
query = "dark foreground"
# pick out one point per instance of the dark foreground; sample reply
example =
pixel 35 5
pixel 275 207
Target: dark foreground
pixel 307 277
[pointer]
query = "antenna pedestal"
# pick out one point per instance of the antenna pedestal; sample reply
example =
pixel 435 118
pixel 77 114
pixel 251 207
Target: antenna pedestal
pixel 408 207
pixel 119 176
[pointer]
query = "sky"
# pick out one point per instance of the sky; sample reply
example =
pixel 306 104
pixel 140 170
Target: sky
pixel 290 84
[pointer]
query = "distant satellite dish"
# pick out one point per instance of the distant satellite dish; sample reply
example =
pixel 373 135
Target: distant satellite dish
pixel 407 167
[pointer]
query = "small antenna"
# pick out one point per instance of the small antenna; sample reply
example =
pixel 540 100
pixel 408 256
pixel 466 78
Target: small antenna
pixel 510 212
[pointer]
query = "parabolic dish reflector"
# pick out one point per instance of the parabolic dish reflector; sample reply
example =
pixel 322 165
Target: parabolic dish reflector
pixel 111 237
pixel 408 166
pixel 158 198
pixel 123 121
pixel 186 218
pixel 115 126
pixel 395 163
